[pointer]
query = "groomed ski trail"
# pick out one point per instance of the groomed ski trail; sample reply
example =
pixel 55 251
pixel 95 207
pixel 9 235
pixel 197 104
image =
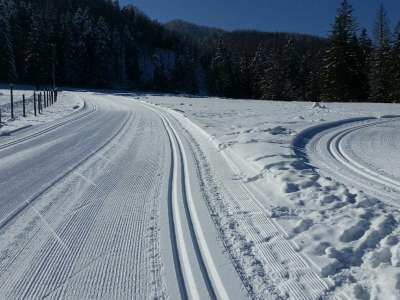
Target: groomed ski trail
pixel 334 150
pixel 93 229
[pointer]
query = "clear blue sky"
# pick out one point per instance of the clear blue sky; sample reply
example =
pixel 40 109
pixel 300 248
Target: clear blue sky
pixel 307 16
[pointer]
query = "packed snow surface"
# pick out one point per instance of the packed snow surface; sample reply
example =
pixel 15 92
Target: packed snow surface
pixel 121 196
pixel 327 174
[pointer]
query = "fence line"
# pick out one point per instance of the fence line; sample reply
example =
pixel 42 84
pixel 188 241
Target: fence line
pixel 27 104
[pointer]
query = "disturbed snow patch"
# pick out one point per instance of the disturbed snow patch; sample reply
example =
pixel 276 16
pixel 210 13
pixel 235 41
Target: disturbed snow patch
pixel 350 237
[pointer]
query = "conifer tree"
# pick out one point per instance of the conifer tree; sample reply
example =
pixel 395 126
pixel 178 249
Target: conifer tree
pixel 131 54
pixel 341 73
pixel 244 81
pixel 291 66
pixel 118 58
pixel 257 70
pixel 160 81
pixel 36 63
pixel 185 71
pixel 395 70
pixel 365 53
pixel 381 64
pixel 102 69
pixel 7 46
pixel 221 71
pixel 78 52
pixel 273 83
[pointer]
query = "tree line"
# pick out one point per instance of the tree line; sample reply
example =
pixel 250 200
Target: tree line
pixel 97 43
pixel 347 66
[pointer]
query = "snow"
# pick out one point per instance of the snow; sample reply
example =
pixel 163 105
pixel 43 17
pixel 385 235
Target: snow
pixel 230 198
pixel 85 199
pixel 60 110
pixel 348 232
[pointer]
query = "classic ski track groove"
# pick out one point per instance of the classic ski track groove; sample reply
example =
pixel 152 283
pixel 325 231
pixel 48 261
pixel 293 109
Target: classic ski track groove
pixel 335 148
pixel 204 256
pixel 278 248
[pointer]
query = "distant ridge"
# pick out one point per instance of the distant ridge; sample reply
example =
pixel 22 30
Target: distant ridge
pixel 187 29
pixel 193 31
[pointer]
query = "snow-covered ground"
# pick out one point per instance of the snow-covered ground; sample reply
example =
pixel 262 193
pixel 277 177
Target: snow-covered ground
pixel 5 94
pixel 60 110
pixel 110 196
pixel 332 188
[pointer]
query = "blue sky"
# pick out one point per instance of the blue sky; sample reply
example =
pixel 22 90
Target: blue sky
pixel 307 16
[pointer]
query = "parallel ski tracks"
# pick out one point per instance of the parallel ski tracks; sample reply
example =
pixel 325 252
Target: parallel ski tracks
pixel 375 182
pixel 287 270
pixel 185 274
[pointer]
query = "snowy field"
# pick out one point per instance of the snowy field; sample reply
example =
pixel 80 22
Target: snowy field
pixel 334 189
pixel 121 196
pixel 5 95
pixel 64 107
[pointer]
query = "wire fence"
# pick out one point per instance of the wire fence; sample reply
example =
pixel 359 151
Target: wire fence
pixel 29 103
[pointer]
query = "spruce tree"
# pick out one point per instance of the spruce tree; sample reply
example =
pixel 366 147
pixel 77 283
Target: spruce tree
pixel 36 62
pixel 102 69
pixel 160 80
pixel 273 83
pixel 381 64
pixel 341 73
pixel 7 46
pixel 365 53
pixel 185 71
pixel 221 72
pixel 118 58
pixel 395 70
pixel 257 71
pixel 244 81
pixel 77 53
pixel 291 67
pixel 132 69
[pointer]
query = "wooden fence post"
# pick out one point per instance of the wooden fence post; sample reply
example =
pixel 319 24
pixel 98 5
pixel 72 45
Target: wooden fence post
pixel 23 106
pixel 12 100
pixel 40 102
pixel 34 103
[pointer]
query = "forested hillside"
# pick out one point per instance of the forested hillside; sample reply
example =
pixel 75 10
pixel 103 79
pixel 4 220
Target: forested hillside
pixel 97 43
